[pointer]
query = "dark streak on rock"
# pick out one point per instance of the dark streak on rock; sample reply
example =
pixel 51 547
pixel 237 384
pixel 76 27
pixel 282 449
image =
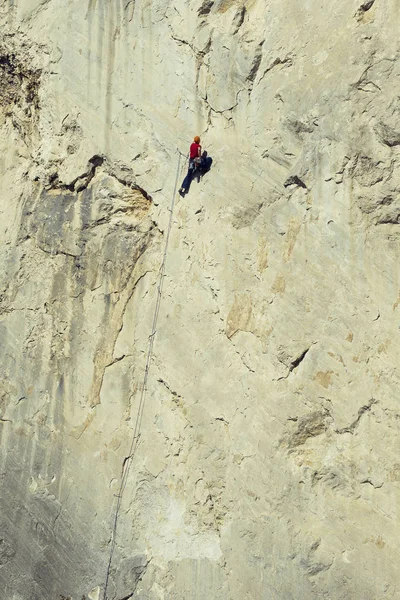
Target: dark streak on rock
pixel 308 426
pixel 351 428
pixel 255 64
pixel 294 180
pixel 16 80
pixel 86 178
pixel 367 5
pixel 295 363
pixel 239 20
pixel 376 486
pixel 205 8
pixel 165 384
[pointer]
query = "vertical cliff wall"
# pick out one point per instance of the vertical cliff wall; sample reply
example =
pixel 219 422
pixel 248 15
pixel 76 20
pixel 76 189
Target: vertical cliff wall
pixel 267 465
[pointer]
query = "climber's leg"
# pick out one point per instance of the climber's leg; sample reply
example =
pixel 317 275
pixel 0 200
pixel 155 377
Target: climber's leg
pixel 188 179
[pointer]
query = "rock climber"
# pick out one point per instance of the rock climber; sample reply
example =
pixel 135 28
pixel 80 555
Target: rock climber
pixel 194 162
pixel 195 151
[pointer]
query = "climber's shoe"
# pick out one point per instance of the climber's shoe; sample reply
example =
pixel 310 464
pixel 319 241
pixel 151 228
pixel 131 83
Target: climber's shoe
pixel 182 192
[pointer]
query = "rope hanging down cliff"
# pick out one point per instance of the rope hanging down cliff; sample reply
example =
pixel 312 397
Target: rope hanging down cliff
pixel 136 432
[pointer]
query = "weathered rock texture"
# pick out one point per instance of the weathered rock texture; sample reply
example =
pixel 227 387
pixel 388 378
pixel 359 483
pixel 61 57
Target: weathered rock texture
pixel 268 464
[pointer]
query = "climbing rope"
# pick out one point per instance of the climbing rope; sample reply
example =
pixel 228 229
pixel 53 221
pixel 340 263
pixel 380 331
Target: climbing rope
pixel 139 415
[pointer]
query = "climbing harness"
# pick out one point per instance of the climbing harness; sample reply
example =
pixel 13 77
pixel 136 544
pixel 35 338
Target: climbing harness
pixel 139 415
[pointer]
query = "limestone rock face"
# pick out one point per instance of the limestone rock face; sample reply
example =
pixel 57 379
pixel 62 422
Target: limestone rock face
pixel 266 464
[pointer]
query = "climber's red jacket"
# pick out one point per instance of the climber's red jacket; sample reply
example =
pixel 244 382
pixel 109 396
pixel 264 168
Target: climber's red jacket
pixel 195 150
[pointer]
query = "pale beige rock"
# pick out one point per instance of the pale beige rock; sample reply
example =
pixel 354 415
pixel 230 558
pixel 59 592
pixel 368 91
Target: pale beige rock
pixel 267 465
